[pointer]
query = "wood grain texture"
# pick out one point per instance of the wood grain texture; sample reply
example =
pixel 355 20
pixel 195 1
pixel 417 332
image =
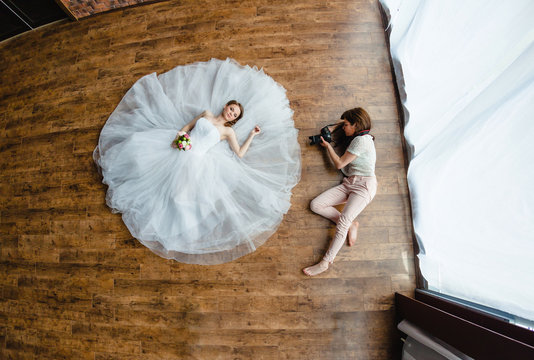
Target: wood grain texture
pixel 74 284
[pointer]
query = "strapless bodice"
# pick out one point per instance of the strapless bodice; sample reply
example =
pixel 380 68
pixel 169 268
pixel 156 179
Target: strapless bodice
pixel 203 136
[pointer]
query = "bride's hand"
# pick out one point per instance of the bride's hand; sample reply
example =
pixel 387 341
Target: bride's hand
pixel 255 131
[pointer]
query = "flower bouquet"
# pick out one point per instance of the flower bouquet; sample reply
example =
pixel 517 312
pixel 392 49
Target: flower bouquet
pixel 183 142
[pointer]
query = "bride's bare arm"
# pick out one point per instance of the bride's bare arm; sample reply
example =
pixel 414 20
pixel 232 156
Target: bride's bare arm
pixel 234 145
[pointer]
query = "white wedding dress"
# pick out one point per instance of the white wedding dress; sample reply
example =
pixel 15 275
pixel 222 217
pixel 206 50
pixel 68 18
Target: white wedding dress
pixel 205 205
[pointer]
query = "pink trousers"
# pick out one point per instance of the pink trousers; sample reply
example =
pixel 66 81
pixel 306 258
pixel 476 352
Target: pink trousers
pixel 356 191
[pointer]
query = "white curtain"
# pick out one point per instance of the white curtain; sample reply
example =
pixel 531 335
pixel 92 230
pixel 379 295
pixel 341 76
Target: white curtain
pixel 466 75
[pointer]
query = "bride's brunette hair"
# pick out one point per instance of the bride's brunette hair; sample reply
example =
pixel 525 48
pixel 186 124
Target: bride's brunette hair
pixel 234 102
pixel 357 116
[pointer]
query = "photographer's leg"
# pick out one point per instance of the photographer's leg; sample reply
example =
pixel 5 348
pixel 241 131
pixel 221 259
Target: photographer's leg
pixel 353 233
pixel 354 206
pixel 324 206
pixel 316 269
pixel 324 203
pixel 362 191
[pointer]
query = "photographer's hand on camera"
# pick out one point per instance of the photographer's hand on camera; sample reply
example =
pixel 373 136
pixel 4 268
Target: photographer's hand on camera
pixel 339 161
pixel 332 127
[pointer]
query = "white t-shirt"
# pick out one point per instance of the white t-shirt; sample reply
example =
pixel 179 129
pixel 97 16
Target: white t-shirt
pixel 364 164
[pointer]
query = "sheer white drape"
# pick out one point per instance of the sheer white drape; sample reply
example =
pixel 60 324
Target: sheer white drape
pixel 466 74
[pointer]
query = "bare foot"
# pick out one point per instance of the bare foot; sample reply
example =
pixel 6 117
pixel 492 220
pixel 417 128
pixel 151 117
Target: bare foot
pixel 316 269
pixel 353 233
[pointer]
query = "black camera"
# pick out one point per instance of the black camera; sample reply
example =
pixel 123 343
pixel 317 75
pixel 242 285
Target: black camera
pixel 325 133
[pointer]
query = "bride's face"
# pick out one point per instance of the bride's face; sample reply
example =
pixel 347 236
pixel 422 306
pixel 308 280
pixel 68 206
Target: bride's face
pixel 231 112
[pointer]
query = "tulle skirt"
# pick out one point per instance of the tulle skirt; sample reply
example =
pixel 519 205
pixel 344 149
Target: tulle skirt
pixel 200 207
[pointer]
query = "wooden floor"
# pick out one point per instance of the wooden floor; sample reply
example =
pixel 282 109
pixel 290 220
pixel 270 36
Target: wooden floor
pixel 75 285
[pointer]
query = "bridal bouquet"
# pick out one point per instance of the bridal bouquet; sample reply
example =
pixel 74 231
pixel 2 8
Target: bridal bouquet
pixel 183 142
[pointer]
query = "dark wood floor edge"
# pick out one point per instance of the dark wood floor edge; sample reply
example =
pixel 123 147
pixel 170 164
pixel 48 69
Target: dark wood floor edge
pixel 421 283
pixel 5 41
